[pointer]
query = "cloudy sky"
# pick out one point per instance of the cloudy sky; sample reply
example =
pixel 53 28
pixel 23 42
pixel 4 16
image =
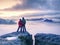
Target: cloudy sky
pixel 20 7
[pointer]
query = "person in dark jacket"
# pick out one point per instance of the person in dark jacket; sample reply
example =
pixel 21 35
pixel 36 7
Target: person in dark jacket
pixel 20 24
pixel 24 23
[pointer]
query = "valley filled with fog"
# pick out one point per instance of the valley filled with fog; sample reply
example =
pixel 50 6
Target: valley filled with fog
pixel 39 24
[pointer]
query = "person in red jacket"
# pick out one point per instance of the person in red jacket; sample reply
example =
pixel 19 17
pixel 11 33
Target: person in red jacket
pixel 20 25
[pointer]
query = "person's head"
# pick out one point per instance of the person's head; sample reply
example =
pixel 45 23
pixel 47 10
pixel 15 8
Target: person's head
pixel 22 17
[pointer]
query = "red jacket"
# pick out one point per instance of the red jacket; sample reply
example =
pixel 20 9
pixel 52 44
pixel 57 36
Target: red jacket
pixel 20 24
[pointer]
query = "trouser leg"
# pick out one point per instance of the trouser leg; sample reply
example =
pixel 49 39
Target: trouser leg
pixel 24 29
pixel 21 29
pixel 18 29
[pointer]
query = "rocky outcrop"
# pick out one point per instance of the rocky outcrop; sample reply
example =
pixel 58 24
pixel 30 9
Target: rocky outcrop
pixel 26 39
pixel 21 38
pixel 7 21
pixel 47 39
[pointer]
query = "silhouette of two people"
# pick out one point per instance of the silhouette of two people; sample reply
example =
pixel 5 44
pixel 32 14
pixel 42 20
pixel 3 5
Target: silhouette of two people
pixel 21 25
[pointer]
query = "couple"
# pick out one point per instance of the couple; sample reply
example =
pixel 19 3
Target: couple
pixel 21 25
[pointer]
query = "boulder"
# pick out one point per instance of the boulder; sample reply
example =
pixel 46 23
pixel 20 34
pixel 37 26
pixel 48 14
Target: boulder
pixel 47 39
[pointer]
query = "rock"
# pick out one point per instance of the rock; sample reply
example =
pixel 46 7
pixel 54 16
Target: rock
pixel 26 39
pixel 48 20
pixel 7 21
pixel 21 38
pixel 47 39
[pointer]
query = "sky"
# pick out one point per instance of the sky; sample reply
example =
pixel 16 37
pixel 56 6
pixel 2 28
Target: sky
pixel 19 7
pixel 7 8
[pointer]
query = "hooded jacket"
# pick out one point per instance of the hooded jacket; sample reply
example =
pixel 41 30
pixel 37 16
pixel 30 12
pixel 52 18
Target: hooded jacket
pixel 20 23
